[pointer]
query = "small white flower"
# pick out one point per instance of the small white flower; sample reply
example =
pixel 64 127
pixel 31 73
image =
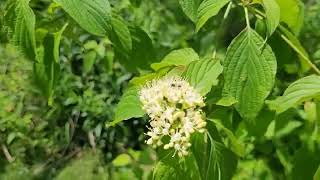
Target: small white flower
pixel 174 110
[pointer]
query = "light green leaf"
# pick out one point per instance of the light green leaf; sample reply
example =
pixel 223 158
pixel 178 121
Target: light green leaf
pixel 164 171
pixel 249 73
pixel 129 106
pixel 272 10
pixel 203 74
pixel 190 8
pixel 93 16
pixel 208 9
pixel 180 57
pixel 89 59
pixel 292 13
pixel 317 175
pixel 122 160
pixel 47 67
pixel 301 90
pixel 226 101
pixel 20 23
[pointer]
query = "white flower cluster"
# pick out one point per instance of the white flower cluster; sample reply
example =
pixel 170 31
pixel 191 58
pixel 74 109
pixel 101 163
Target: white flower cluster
pixel 174 110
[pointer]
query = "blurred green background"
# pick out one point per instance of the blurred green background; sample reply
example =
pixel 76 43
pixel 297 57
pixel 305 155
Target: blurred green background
pixel 70 139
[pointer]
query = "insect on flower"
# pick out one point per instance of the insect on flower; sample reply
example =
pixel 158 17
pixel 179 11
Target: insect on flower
pixel 174 108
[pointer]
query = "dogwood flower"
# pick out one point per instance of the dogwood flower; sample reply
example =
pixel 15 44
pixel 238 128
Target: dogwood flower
pixel 174 108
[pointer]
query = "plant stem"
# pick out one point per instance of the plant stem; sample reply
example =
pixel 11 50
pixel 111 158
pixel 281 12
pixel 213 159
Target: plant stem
pixel 7 154
pixel 247 17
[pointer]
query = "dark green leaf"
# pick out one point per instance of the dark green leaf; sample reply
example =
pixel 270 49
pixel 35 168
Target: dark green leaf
pixel 47 67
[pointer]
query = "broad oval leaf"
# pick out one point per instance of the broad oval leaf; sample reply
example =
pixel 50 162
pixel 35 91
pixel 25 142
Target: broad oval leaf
pixel 301 90
pixel 203 74
pixel 292 13
pixel 180 57
pixel 129 106
pixel 273 15
pixel 20 21
pixel 120 36
pixel 249 72
pixel 208 9
pixel 93 16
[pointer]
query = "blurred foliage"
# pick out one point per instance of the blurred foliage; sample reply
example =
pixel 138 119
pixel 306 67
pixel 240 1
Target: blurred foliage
pixel 70 140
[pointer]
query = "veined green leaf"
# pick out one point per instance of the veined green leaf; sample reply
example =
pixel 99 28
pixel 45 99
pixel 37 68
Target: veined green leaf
pixel 93 16
pixel 273 15
pixel 129 106
pixel 180 57
pixel 301 90
pixel 190 8
pixel 47 67
pixel 208 9
pixel 249 72
pixel 203 74
pixel 20 22
pixel 292 13
pixel 214 160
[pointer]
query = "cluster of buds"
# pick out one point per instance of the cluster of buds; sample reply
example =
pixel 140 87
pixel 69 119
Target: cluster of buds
pixel 174 108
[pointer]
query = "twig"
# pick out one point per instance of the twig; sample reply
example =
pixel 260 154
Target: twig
pixel 7 154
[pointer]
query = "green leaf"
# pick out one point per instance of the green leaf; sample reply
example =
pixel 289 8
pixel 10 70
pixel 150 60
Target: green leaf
pixel 317 175
pixel 190 8
pixel 249 73
pixel 214 160
pixel 226 101
pixel 93 16
pixel 142 53
pixel 47 67
pixel 203 74
pixel 292 13
pixel 208 9
pixel 121 37
pixel 89 59
pixel 122 160
pixel 129 106
pixel 301 90
pixel 20 23
pixel 295 44
pixel 180 57
pixel 165 171
pixel 272 10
